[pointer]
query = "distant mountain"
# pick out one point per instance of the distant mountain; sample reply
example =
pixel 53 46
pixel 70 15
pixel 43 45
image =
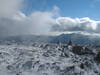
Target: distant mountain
pixel 63 38
pixel 78 39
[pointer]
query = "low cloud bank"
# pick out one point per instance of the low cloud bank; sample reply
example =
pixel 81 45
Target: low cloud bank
pixel 76 24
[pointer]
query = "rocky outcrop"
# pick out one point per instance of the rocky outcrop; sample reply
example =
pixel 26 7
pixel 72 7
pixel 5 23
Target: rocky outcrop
pixel 81 50
pixel 97 58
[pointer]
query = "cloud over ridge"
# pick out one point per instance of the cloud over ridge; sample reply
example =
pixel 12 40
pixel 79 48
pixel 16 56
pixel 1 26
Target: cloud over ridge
pixel 76 24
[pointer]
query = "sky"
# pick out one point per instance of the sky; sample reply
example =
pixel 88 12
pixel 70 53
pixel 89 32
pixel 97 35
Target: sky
pixel 28 17
pixel 69 8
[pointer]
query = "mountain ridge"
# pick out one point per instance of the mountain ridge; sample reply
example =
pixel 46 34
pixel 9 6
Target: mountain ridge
pixel 63 38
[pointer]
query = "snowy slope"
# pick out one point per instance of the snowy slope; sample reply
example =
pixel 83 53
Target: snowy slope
pixel 46 59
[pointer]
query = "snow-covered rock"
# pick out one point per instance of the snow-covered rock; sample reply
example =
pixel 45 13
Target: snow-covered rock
pixel 48 59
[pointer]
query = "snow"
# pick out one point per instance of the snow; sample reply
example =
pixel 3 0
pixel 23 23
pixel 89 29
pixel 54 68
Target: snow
pixel 45 59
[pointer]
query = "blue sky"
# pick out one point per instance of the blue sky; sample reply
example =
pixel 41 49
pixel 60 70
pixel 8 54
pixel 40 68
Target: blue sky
pixel 68 8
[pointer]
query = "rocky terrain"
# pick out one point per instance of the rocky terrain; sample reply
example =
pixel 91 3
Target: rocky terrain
pixel 49 59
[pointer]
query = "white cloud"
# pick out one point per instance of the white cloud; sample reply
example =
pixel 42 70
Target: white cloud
pixel 41 22
pixel 17 23
pixel 77 24
pixel 9 7
pixel 37 23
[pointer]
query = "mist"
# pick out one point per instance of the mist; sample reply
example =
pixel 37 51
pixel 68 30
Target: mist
pixel 14 22
pixel 37 23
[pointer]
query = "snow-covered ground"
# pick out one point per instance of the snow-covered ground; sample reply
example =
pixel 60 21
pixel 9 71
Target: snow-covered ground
pixel 46 59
